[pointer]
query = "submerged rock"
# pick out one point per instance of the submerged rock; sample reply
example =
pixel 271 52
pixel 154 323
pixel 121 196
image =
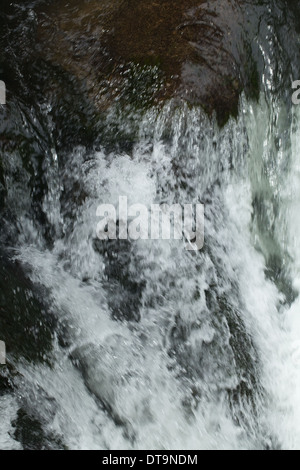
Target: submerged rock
pixel 109 370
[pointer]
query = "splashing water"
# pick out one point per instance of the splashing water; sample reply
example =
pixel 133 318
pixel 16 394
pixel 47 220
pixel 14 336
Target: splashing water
pixel 157 347
pixel 207 356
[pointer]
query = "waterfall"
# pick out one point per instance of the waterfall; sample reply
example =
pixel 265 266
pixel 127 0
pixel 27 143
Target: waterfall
pixel 151 345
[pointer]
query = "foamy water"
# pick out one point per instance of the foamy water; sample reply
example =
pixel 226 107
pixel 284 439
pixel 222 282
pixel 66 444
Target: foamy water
pixel 210 324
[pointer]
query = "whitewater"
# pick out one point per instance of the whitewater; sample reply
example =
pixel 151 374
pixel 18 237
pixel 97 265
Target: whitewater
pixel 155 346
pixel 208 356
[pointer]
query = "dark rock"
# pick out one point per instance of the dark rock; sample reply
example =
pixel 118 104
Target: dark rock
pixel 189 49
pixel 29 432
pixel 25 326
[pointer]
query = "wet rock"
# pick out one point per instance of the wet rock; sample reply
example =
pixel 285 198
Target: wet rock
pixel 30 433
pixel 25 326
pixel 2 187
pixel 108 369
pixel 124 291
pixel 145 52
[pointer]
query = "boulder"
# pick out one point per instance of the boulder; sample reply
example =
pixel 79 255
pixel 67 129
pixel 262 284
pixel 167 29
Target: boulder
pixel 147 51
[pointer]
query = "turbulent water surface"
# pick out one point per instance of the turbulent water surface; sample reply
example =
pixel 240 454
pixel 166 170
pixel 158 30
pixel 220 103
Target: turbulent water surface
pixel 143 344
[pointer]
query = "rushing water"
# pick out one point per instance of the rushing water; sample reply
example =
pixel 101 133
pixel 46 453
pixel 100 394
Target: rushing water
pixel 153 346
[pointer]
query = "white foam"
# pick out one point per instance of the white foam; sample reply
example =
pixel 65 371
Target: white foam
pixel 129 367
pixel 8 412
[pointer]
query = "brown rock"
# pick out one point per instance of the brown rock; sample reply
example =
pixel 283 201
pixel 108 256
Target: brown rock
pixel 192 45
